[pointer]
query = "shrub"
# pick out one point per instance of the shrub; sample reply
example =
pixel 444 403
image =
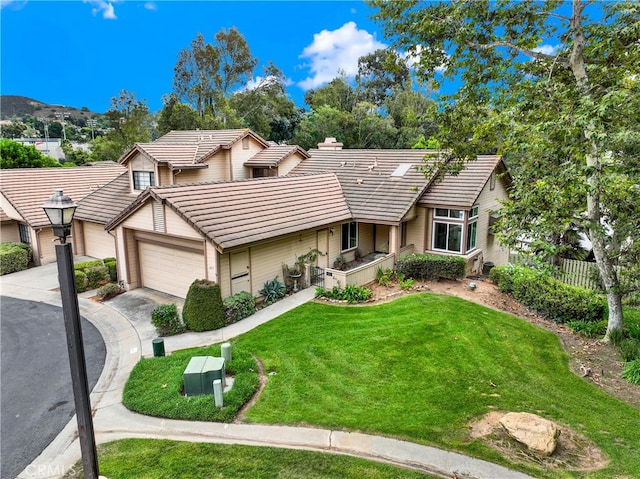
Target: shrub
pixel 85 265
pixel 81 281
pixel 589 329
pixel 166 320
pixel 631 372
pixel 97 276
pixel 351 293
pixel 629 349
pixel 384 276
pixel 273 290
pixel 549 297
pixel 406 284
pixel 108 291
pixel 203 309
pixel 14 257
pixel 112 269
pixel 430 266
pixel 238 306
pixel 340 263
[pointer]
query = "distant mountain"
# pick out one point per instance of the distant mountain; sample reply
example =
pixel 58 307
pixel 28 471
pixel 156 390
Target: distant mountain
pixel 12 106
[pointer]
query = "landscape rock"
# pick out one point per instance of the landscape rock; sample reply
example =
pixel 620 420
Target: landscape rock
pixel 538 434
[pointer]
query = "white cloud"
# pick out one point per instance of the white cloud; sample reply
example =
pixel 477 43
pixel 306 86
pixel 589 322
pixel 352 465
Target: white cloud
pixel 546 49
pixel 14 4
pixel 151 6
pixel 108 12
pixel 336 50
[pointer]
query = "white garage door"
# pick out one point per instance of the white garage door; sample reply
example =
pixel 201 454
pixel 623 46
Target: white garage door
pixel 168 269
pixel 97 242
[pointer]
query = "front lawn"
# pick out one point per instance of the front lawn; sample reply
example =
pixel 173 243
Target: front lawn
pixel 161 459
pixel 423 366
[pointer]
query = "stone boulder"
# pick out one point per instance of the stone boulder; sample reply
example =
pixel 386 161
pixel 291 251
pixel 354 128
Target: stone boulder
pixel 538 434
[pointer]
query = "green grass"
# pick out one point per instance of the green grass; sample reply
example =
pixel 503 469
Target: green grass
pixel 420 368
pixel 162 459
pixel 155 387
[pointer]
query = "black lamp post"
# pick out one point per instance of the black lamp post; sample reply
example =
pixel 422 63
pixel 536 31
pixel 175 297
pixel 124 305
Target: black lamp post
pixel 60 210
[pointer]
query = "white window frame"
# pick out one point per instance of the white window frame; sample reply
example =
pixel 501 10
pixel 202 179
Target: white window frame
pixel 447 249
pixel 471 231
pixel 351 231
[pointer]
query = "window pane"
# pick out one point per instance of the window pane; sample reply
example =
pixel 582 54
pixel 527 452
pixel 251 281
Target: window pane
pixel 455 238
pixel 472 230
pixel 344 237
pixel 353 235
pixel 473 212
pixel 442 213
pixel 142 179
pixel 456 214
pixel 440 236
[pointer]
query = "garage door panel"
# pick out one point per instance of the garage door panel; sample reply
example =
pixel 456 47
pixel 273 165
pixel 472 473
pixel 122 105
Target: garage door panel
pixel 168 269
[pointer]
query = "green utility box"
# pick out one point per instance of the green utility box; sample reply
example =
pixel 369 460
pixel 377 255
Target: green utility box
pixel 200 374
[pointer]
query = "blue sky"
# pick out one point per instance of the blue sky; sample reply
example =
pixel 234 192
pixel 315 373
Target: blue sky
pixel 82 53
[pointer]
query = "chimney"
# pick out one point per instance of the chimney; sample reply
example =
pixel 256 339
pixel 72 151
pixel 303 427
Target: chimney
pixel 330 143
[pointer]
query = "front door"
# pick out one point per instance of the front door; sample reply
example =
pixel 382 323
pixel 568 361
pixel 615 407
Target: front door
pixel 382 238
pixel 323 247
pixel 240 272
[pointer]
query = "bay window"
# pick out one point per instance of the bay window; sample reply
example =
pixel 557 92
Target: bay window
pixel 454 230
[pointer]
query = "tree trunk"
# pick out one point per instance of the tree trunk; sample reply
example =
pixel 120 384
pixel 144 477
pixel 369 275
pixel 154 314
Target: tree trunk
pixel 597 235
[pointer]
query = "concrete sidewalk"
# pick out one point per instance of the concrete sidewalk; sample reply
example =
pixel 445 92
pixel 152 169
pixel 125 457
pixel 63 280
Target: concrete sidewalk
pixel 124 323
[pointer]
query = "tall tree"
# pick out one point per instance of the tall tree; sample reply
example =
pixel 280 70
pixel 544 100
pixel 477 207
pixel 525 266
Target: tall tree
pixel 380 74
pixel 129 123
pixel 206 74
pixel 338 94
pixel 569 114
pixel 264 107
pixel 176 116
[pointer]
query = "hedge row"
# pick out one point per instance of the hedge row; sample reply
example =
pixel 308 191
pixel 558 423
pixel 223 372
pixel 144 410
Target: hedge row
pixel 94 273
pixel 14 257
pixel 430 266
pixel 549 297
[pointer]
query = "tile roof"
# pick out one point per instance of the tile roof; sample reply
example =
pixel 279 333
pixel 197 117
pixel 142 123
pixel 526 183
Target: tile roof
pixel 462 190
pixel 366 176
pixel 28 189
pixel 273 155
pixel 247 211
pixel 104 204
pixel 188 149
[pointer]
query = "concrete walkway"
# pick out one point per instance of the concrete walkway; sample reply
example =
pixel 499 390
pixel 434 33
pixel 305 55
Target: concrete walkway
pixel 124 323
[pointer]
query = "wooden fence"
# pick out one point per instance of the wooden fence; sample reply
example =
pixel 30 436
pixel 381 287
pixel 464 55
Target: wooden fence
pixel 577 273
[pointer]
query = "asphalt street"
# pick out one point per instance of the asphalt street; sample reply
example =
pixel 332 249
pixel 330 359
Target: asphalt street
pixel 36 397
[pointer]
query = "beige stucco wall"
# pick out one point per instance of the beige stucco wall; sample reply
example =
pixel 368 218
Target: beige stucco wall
pixel 96 242
pixel 217 170
pixel 289 164
pixel 489 200
pixel 140 163
pixel 416 230
pixel 239 155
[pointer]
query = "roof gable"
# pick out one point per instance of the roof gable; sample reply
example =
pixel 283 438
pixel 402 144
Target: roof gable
pixel 464 189
pixel 242 212
pixel 27 189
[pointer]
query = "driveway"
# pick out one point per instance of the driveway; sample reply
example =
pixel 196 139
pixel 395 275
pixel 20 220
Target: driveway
pixel 36 395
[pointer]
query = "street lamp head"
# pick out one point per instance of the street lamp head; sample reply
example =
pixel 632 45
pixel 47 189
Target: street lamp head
pixel 60 210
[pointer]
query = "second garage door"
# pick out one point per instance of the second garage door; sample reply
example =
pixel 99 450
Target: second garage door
pixel 169 270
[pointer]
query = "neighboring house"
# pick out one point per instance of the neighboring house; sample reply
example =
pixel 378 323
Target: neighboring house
pixel 231 207
pixel 24 191
pixel 397 210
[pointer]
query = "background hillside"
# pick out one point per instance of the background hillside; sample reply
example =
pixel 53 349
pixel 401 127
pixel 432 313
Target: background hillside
pixel 13 106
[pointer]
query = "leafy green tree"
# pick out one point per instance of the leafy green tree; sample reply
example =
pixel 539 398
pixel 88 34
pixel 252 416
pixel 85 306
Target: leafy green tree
pixel 206 74
pixel 265 108
pixel 380 74
pixel 338 94
pixel 17 155
pixel 324 122
pixel 568 114
pixel 177 116
pixel 129 123
pixel 13 130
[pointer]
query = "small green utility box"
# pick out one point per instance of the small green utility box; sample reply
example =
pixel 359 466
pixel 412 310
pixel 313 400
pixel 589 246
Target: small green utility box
pixel 200 374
